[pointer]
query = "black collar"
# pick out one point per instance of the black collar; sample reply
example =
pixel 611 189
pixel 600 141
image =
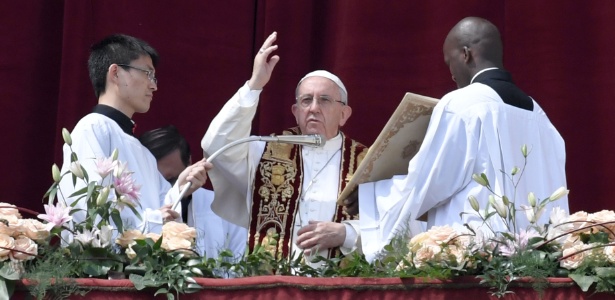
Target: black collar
pixel 501 82
pixel 120 118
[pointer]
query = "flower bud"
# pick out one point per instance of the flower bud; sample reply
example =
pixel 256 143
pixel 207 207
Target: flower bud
pixel 114 154
pixel 514 171
pixel 55 173
pixel 524 150
pixel 66 137
pixel 561 192
pixel 102 196
pixel 531 199
pixel 480 179
pixel 75 168
pixel 505 200
pixel 473 202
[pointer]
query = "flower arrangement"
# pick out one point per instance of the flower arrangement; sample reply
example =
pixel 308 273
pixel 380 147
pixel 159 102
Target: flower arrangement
pixel 580 246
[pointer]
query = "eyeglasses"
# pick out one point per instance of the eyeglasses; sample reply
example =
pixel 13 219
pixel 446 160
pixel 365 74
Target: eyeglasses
pixel 305 101
pixel 150 74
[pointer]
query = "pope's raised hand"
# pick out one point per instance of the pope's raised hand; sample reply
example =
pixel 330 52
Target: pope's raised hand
pixel 263 64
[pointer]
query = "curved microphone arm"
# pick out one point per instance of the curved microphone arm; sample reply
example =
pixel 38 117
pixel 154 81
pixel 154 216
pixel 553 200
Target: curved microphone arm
pixel 310 139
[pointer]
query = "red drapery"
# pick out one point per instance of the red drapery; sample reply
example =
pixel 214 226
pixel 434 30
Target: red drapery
pixel 290 287
pixel 558 52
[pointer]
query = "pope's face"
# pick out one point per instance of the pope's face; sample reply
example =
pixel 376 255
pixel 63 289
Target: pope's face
pixel 318 109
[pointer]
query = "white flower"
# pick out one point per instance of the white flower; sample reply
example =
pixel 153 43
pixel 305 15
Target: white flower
pixel 85 238
pixel 102 237
pixel 557 216
pixel 76 169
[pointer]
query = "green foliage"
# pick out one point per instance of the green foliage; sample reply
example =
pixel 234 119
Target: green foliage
pixel 595 271
pixel 170 272
pixel 50 276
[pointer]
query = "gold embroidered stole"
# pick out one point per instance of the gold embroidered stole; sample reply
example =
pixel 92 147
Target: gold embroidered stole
pixel 277 189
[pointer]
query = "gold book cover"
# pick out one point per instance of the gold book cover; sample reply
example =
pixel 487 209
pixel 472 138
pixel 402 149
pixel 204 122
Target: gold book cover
pixel 397 143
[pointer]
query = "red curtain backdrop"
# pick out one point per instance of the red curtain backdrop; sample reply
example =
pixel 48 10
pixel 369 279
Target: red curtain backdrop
pixel 559 52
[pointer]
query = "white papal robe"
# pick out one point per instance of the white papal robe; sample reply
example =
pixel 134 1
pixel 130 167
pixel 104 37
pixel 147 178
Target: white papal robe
pixel 234 171
pixel 96 136
pixel 471 131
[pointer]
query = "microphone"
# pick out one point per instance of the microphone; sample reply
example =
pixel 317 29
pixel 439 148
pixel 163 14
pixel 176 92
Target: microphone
pixel 306 140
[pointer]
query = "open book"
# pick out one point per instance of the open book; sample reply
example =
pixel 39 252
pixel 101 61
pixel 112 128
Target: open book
pixel 397 143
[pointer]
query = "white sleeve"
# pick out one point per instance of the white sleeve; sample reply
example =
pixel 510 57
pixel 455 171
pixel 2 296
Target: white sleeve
pixel 231 173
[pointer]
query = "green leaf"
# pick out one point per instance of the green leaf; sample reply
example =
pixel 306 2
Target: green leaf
pixel 605 272
pixel 7 273
pixel 584 282
pixel 115 216
pixel 137 280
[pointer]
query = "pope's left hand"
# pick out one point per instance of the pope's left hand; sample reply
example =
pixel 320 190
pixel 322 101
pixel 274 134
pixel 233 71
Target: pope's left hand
pixel 320 235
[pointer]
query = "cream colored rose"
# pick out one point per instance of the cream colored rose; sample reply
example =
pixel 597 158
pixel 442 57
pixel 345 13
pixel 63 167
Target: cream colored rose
pixel 425 254
pixel 442 234
pixel 6 244
pixel 8 210
pixel 573 261
pixel 180 230
pixel 153 236
pixel 176 243
pixel 34 229
pixel 417 241
pixel 459 253
pixel 24 249
pixel 130 253
pixel 8 230
pixel 578 219
pixel 602 217
pixel 572 241
pixel 609 251
pixel 128 237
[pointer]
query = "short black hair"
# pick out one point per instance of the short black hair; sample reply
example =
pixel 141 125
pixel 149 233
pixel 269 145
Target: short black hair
pixel 162 141
pixel 115 49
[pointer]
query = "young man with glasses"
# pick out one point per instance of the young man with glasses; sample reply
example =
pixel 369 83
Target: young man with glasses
pixel 122 71
pixel 286 194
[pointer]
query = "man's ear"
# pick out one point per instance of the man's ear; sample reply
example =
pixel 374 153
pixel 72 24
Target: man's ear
pixel 467 53
pixel 294 108
pixel 346 112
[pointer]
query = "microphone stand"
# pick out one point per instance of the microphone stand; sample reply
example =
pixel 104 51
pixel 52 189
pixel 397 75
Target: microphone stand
pixel 311 139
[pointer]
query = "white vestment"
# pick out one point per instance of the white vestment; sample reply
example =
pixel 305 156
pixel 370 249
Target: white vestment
pixel 234 170
pixel 96 136
pixel 213 233
pixel 471 131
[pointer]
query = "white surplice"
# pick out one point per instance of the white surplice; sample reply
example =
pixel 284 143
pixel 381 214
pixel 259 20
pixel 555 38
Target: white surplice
pixel 96 136
pixel 234 170
pixel 471 131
